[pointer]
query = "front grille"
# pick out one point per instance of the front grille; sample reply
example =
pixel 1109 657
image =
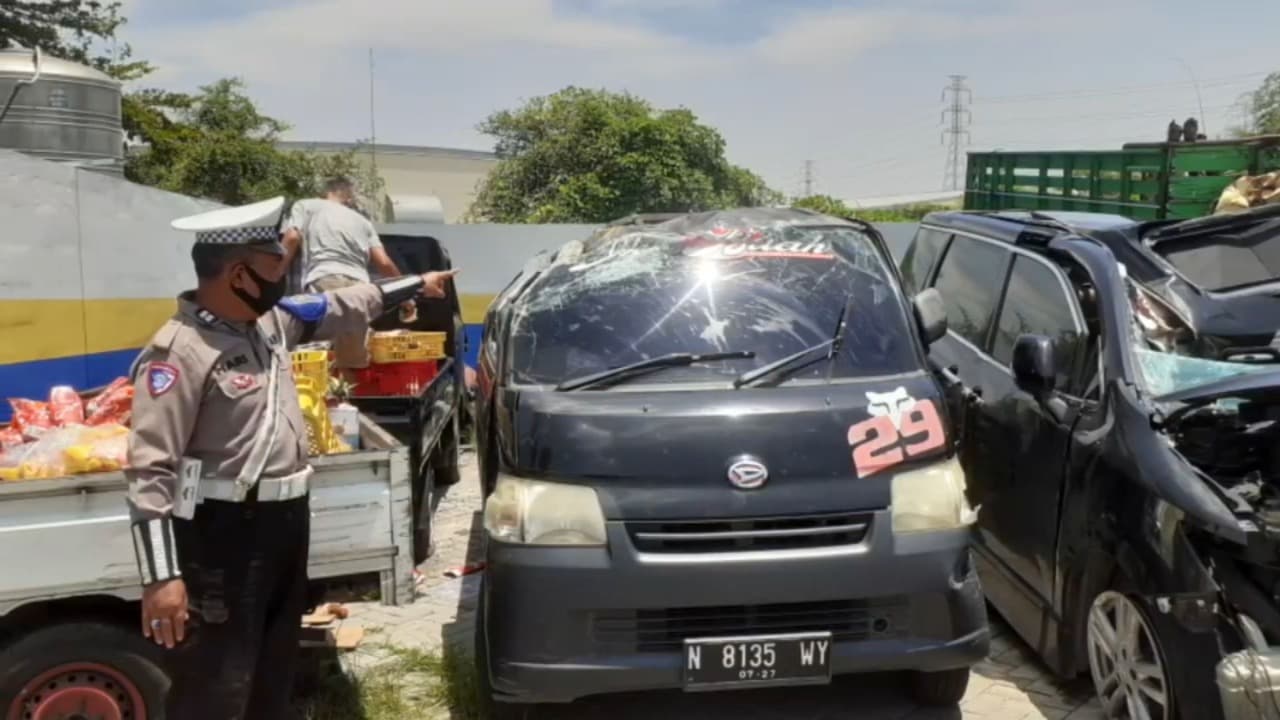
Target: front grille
pixel 773 533
pixel 666 629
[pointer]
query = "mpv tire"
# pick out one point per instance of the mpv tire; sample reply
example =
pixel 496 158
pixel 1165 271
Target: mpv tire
pixel 944 688
pixel 1158 660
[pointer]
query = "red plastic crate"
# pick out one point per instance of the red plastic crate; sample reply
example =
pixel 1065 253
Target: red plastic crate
pixel 394 379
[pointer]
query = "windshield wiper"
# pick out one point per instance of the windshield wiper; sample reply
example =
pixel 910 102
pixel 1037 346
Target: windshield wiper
pixel 643 366
pixel 791 363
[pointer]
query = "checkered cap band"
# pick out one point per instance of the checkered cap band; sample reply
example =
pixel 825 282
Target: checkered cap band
pixel 238 236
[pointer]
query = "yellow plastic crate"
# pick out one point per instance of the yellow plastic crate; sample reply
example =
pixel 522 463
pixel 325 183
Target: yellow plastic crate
pixel 312 365
pixel 400 346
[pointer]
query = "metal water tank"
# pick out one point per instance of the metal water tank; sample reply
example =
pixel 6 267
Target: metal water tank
pixel 59 110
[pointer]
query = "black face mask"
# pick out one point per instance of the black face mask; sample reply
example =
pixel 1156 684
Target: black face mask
pixel 269 292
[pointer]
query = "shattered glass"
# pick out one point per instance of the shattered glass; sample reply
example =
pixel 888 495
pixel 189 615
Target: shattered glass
pixel 768 281
pixel 1160 342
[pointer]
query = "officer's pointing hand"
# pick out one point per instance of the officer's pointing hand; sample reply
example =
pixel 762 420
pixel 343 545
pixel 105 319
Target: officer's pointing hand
pixel 164 612
pixel 435 283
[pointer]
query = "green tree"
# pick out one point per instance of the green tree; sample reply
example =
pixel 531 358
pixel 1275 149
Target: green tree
pixel 217 145
pixel 1262 107
pixel 77 30
pixel 824 204
pixel 592 156
pixel 833 206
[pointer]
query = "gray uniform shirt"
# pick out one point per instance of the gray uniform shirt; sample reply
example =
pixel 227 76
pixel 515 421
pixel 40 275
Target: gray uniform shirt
pixel 200 388
pixel 336 240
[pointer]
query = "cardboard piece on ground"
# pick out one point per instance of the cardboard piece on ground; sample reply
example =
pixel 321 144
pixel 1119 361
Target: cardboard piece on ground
pixel 342 638
pixel 326 614
pixel 321 617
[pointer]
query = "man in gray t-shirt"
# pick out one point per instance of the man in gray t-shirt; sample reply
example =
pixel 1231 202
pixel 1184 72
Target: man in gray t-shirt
pixel 337 246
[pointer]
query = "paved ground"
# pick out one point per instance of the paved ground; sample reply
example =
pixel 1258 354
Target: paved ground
pixel 1010 685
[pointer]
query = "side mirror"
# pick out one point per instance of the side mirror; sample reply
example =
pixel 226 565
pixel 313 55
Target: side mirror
pixel 931 315
pixel 1034 367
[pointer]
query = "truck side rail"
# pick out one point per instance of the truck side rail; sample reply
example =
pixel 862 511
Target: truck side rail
pixel 1144 181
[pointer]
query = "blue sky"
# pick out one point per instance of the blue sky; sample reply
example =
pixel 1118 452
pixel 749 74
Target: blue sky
pixel 853 86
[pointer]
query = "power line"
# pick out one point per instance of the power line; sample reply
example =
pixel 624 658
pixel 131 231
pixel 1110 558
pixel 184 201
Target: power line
pixel 1071 94
pixel 957 135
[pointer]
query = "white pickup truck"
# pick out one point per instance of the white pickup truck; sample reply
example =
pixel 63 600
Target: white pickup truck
pixel 71 646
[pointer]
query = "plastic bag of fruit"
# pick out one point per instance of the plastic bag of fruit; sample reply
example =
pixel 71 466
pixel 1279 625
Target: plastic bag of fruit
pixel 65 406
pixel 103 448
pixel 11 461
pixel 10 437
pixel 31 418
pixel 112 406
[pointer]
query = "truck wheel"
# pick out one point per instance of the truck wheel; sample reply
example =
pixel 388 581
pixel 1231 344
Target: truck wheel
pixel 423 507
pixel 445 456
pixel 80 670
pixel 940 689
pixel 490 708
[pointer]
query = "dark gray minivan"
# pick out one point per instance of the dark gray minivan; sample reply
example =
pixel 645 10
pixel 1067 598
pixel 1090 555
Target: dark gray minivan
pixel 714 457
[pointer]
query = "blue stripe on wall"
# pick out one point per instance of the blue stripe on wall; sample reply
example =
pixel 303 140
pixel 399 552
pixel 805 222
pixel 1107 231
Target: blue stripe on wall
pixel 82 372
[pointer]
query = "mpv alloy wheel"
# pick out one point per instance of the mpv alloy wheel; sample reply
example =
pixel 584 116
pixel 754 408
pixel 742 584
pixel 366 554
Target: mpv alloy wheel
pixel 1125 659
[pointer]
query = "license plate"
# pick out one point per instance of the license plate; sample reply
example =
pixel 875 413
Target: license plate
pixel 713 663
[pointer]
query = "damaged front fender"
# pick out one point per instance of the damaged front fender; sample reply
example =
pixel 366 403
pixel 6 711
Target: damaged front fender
pixel 1157 467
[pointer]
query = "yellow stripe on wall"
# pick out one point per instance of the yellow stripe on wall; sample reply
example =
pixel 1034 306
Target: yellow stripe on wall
pixel 474 307
pixel 47 329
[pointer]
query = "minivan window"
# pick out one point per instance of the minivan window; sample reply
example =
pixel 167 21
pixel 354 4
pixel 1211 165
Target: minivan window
pixel 619 298
pixel 920 258
pixel 970 280
pixel 1037 304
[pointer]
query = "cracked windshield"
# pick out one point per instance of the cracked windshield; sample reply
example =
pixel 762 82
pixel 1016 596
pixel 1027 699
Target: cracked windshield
pixel 635 359
pixel 718 285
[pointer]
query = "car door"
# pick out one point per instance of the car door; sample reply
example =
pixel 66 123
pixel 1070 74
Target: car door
pixel 970 279
pixel 1018 522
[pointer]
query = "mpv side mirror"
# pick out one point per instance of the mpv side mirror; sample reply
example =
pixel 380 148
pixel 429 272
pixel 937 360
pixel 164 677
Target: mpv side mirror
pixel 1034 367
pixel 931 315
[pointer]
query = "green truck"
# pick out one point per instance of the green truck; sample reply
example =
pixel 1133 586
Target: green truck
pixel 1144 181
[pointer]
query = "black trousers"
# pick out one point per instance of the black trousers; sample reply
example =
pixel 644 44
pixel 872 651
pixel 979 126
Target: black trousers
pixel 245 567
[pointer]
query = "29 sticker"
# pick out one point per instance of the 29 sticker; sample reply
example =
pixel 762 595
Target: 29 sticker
pixel 900 427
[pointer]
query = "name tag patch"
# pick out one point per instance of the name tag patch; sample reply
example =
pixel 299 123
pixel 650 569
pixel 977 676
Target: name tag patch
pixel 161 377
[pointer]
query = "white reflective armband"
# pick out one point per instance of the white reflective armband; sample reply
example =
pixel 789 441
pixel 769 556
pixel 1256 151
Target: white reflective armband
pixel 157 552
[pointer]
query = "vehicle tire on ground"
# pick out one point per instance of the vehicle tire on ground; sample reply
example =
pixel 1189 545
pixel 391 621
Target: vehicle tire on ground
pixel 445 456
pixel 939 689
pixel 488 465
pixel 490 708
pixel 423 508
pixel 82 669
pixel 1137 655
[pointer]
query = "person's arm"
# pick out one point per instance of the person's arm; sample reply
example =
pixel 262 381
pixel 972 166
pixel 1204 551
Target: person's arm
pixel 323 316
pixel 168 390
pixel 382 262
pixel 292 242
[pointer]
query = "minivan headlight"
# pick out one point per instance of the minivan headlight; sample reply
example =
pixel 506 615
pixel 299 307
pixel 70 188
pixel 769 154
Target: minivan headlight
pixel 533 512
pixel 930 498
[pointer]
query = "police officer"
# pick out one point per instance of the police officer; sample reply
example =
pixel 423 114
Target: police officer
pixel 218 465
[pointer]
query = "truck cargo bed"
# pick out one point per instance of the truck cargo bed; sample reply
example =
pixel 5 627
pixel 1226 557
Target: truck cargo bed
pixel 70 536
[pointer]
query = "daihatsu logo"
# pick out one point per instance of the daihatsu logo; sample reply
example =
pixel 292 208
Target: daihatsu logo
pixel 747 473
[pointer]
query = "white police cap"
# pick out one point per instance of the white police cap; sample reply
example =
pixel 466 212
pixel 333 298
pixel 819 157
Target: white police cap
pixel 256 225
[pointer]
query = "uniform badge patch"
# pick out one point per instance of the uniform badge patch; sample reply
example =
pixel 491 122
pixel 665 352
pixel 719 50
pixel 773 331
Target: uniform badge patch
pixel 161 377
pixel 242 381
